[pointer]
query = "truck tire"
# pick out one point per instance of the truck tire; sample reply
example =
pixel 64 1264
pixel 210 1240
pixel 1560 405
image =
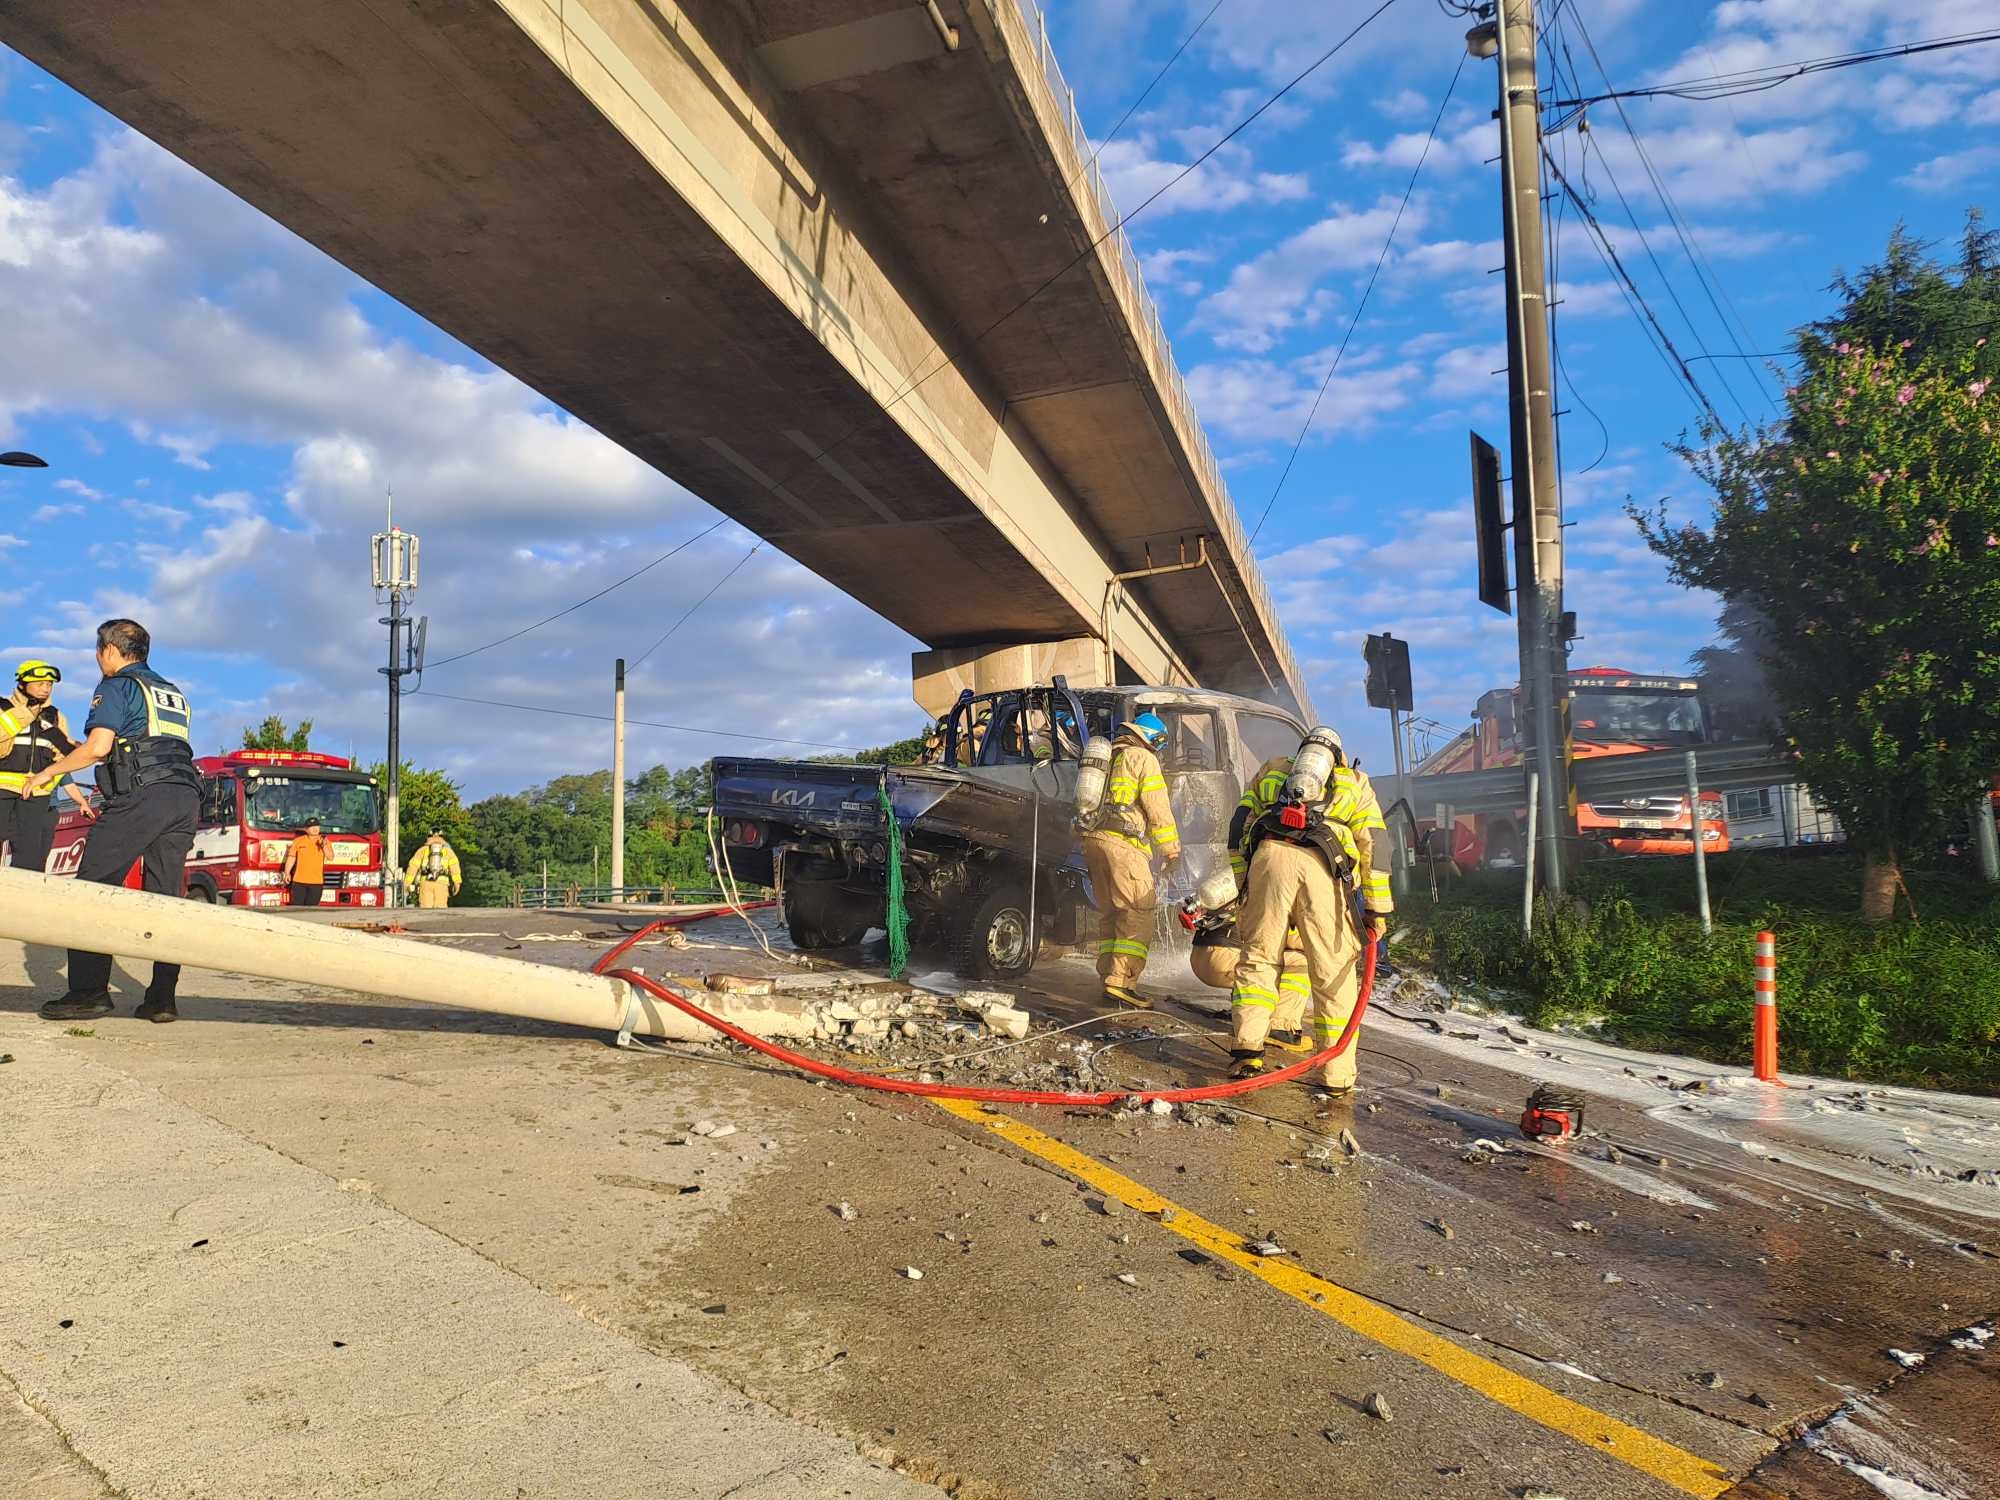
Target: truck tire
pixel 818 914
pixel 994 941
pixel 201 888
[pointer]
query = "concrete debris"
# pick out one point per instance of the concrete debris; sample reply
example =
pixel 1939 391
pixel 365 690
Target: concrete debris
pixel 735 984
pixel 1582 1226
pixel 1444 1229
pixel 1160 1107
pixel 1348 1143
pixel 845 1210
pixel 703 1127
pixel 1168 1215
pixel 1377 1406
pixel 1974 1338
pixel 1039 1218
pixel 1897 1257
pixel 1266 1248
pixel 1128 1278
pixel 1339 1440
pixel 1905 1358
pixel 911 1273
pixel 1106 1206
pixel 1709 1378
pixel 1007 1022
pixel 1612 1278
pixel 1756 1399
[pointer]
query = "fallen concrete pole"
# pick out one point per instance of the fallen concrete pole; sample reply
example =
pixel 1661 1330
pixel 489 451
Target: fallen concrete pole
pixel 68 913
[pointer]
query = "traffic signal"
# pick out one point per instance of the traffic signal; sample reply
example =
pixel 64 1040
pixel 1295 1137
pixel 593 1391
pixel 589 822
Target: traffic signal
pixel 1388 673
pixel 1487 526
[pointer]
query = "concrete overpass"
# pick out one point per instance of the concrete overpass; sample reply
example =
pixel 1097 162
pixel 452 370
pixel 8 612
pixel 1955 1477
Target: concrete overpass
pixel 757 243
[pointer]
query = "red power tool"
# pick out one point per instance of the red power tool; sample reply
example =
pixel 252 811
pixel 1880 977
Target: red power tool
pixel 1552 1114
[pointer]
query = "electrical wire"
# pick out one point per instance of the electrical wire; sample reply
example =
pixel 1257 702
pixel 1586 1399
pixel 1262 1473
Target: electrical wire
pixel 689 611
pixel 1705 274
pixel 1759 80
pixel 1144 94
pixel 572 609
pixel 1635 299
pixel 1362 306
pixel 572 713
pixel 916 383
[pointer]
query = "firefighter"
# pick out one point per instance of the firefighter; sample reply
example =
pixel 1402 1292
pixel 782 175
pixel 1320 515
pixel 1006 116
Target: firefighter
pixel 1216 950
pixel 33 734
pixel 434 876
pixel 139 735
pixel 1306 831
pixel 1136 823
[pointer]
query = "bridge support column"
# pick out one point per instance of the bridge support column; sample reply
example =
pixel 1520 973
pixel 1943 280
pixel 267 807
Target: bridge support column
pixel 937 677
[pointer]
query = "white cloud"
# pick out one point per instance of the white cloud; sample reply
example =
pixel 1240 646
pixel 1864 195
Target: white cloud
pixel 1137 168
pixel 78 487
pixel 1475 373
pixel 1948 173
pixel 9 540
pixel 1172 269
pixel 141 295
pixel 1279 290
pixel 49 513
pixel 1469 146
pixel 1711 163
pixel 1260 400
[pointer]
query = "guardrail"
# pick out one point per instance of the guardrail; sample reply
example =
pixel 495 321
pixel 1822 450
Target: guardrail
pixel 556 897
pixel 1607 778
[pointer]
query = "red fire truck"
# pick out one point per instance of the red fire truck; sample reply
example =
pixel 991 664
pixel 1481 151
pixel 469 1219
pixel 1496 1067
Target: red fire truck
pixel 1612 712
pixel 253 803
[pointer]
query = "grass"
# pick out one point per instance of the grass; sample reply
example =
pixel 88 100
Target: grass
pixel 1914 1002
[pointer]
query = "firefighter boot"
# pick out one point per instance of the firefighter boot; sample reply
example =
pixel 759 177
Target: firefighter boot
pixel 1130 999
pixel 78 1005
pixel 1248 1064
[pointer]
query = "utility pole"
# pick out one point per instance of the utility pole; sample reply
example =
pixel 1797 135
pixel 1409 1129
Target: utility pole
pixel 1538 539
pixel 618 782
pixel 394 565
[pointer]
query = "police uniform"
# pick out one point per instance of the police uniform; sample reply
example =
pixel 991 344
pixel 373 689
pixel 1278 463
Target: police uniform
pixel 33 737
pixel 151 794
pixel 1306 880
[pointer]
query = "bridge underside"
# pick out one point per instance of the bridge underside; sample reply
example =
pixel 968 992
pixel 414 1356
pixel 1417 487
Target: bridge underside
pixel 731 235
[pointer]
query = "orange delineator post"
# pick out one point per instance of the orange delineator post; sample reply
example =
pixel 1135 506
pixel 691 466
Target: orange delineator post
pixel 1765 1038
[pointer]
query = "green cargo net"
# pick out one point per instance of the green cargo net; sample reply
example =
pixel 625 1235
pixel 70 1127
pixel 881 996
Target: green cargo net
pixel 896 914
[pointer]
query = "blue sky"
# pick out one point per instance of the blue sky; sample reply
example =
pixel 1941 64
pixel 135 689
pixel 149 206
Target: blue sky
pixel 223 406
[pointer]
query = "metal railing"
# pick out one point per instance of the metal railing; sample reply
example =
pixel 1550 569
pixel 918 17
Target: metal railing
pixel 548 896
pixel 1055 103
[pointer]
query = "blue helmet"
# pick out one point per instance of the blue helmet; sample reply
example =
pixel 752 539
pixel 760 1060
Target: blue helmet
pixel 1151 728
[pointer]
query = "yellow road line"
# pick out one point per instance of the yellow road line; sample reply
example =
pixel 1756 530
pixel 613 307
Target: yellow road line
pixel 1685 1471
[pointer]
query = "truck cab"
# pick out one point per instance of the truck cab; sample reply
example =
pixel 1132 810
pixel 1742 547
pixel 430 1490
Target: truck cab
pixel 991 863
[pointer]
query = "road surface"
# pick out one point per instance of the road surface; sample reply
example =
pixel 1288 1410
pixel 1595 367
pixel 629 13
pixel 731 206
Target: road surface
pixel 311 1243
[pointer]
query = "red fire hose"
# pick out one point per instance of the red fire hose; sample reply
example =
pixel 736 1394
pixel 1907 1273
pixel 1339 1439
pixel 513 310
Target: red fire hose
pixel 849 1076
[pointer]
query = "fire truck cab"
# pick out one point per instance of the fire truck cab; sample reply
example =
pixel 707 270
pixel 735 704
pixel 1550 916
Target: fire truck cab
pixel 253 804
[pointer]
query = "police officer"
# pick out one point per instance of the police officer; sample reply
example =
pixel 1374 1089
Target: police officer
pixel 33 734
pixel 1311 834
pixel 138 736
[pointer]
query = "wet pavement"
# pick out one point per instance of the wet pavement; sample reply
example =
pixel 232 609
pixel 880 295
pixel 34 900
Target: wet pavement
pixel 1728 1308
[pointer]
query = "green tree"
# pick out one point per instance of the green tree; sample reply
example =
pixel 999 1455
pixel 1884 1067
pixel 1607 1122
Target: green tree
pixel 1865 533
pixel 272 734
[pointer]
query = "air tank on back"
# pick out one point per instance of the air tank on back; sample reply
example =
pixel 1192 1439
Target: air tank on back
pixel 1091 774
pixel 1312 769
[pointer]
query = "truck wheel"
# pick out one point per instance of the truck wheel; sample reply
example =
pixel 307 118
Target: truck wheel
pixel 994 942
pixel 819 915
pixel 200 890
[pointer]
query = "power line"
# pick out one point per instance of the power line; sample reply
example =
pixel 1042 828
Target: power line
pixel 689 611
pixel 571 713
pixel 1705 275
pixel 1634 297
pixel 1758 80
pixel 1146 93
pixel 918 382
pixel 572 609
pixel 1362 305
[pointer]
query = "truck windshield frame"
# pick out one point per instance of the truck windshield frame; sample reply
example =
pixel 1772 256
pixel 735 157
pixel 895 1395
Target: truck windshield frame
pixel 1625 716
pixel 282 803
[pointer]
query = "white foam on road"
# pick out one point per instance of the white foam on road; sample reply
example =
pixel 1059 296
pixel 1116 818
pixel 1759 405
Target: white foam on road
pixel 1941 1150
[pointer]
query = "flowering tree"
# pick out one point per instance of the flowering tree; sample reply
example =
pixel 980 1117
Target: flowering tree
pixel 1865 531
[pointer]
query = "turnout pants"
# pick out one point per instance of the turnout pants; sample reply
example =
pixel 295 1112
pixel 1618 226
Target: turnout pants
pixel 156 826
pixel 433 893
pixel 1292 887
pixel 1215 964
pixel 28 827
pixel 1121 880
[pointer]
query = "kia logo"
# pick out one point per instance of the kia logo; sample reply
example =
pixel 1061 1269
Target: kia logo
pixel 792 798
